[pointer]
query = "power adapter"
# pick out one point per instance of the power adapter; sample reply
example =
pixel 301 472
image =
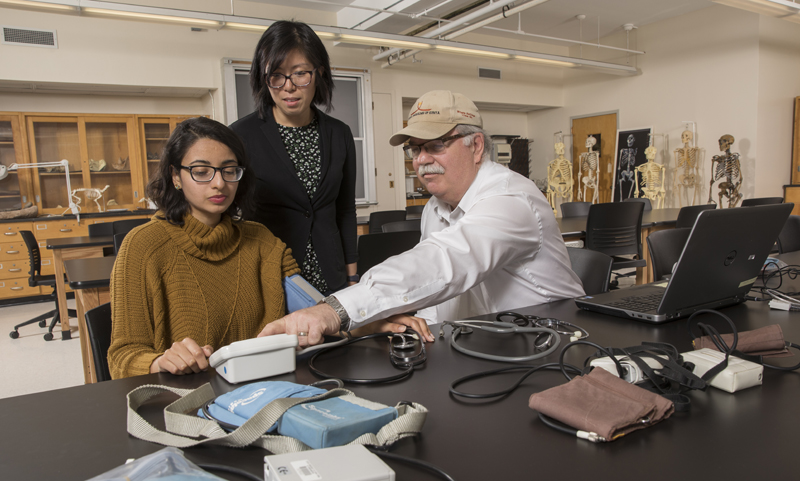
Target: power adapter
pixel 739 374
pixel 342 463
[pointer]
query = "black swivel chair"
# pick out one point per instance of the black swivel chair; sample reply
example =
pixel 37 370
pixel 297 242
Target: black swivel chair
pixel 575 209
pixel 665 248
pixel 414 211
pixel 121 229
pixel 615 229
pixel 376 248
pixel 103 229
pixel 643 200
pixel 762 201
pixel 592 267
pixel 37 279
pixel 688 215
pixel 789 238
pixel 98 325
pixel 377 219
pixel 403 225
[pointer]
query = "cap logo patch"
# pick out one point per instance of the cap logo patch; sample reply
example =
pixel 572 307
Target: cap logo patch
pixel 466 114
pixel 421 111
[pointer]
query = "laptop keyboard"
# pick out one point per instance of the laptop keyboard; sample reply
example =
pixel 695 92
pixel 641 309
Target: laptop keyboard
pixel 644 303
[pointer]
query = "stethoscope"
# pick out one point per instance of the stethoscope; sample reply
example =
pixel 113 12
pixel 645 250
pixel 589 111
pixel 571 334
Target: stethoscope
pixel 547 332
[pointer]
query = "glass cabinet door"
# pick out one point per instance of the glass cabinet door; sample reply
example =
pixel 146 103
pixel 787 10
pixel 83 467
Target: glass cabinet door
pixel 155 134
pixel 11 152
pixel 54 139
pixel 109 167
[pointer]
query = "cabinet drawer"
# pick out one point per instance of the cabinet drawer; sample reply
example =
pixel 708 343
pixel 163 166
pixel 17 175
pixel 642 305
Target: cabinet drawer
pixel 52 229
pixel 13 250
pixel 14 268
pixel 47 266
pixel 11 231
pixel 17 288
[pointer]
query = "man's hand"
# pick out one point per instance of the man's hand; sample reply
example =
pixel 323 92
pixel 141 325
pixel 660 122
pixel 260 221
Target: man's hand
pixel 310 324
pixel 397 323
pixel 184 357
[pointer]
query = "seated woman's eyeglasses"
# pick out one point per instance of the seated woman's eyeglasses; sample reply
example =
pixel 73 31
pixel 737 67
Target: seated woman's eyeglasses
pixel 433 147
pixel 301 78
pixel 206 173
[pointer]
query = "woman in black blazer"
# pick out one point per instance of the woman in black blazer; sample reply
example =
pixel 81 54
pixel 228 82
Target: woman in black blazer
pixel 304 161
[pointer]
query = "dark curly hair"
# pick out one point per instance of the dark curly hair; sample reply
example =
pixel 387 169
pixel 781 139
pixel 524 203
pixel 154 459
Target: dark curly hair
pixel 281 39
pixel 162 191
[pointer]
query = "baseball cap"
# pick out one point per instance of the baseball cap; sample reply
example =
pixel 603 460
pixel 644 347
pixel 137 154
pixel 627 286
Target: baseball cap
pixel 436 113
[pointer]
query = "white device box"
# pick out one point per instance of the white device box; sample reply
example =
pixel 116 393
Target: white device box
pixel 255 358
pixel 632 373
pixel 739 374
pixel 341 463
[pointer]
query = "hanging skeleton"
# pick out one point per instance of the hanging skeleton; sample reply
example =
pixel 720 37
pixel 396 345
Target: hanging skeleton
pixel 90 194
pixel 687 170
pixel 652 179
pixel 559 178
pixel 726 167
pixel 627 161
pixel 590 167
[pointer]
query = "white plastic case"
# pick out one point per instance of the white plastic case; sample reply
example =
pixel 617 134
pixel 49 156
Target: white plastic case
pixel 255 358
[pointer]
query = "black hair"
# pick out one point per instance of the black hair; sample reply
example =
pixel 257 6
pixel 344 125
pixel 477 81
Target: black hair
pixel 281 39
pixel 162 191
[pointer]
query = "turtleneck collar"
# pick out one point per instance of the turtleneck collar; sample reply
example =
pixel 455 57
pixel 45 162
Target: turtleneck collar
pixel 204 242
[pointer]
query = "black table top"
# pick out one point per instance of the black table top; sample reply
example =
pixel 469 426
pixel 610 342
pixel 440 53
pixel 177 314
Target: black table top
pixel 81 241
pixel 89 273
pixel 576 226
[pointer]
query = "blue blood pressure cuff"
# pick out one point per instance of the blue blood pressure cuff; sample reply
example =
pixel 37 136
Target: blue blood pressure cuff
pixel 319 424
pixel 299 293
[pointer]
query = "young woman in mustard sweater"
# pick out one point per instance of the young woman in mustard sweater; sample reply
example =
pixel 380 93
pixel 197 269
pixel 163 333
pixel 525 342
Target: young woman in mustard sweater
pixel 196 277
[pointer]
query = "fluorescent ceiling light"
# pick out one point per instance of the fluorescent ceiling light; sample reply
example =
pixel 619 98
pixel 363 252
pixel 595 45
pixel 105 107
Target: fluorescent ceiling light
pixel 247 26
pixel 326 35
pixel 546 61
pixel 773 8
pixel 26 3
pixel 472 51
pixel 382 42
pixel 150 16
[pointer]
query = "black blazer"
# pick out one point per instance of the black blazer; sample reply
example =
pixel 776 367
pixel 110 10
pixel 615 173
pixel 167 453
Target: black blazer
pixel 282 204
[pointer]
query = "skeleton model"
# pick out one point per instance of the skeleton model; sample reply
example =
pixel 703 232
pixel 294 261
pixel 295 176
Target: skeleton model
pixel 627 160
pixel 687 168
pixel 559 178
pixel 726 167
pixel 590 169
pixel 652 180
pixel 90 194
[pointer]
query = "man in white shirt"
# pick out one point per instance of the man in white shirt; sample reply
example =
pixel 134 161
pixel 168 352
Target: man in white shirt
pixel 489 239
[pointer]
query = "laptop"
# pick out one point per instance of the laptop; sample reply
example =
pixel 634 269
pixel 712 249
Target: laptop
pixel 719 264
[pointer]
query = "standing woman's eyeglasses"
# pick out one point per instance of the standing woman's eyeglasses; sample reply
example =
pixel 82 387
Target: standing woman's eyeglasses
pixel 301 78
pixel 205 173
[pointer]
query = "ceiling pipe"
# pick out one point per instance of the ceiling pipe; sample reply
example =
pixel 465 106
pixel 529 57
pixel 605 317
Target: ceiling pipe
pixel 450 26
pixel 477 25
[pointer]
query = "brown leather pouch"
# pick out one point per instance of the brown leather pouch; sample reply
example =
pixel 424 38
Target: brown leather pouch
pixel 602 403
pixel 764 341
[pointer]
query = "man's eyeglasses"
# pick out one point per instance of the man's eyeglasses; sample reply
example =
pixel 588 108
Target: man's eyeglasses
pixel 206 173
pixel 301 78
pixel 433 147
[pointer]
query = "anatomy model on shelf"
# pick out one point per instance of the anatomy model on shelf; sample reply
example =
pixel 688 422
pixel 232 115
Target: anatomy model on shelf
pixel 651 177
pixel 687 169
pixel 726 168
pixel 90 193
pixel 627 162
pixel 559 178
pixel 590 171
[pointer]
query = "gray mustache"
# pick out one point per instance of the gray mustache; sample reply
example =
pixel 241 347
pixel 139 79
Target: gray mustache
pixel 430 169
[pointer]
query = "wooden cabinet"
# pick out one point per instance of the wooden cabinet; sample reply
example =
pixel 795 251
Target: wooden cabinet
pixel 153 134
pixel 15 188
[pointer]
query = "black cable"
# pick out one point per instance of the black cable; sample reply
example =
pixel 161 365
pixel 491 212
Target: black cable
pixel 415 462
pixel 408 363
pixel 552 423
pixel 230 469
pixel 607 352
pixel 529 370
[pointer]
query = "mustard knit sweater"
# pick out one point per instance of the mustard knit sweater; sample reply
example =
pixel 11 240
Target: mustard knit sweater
pixel 214 285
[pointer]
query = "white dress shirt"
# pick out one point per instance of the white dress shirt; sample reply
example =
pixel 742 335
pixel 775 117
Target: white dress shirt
pixel 499 249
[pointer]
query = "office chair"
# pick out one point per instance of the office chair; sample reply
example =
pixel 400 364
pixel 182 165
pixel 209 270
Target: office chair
pixel 118 238
pixel 688 215
pixel 665 248
pixel 615 229
pixel 121 229
pixel 377 219
pixel 575 209
pixel 592 267
pixel 761 201
pixel 103 229
pixel 37 279
pixel 789 238
pixel 414 211
pixel 98 327
pixel 403 225
pixel 376 248
pixel 643 200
